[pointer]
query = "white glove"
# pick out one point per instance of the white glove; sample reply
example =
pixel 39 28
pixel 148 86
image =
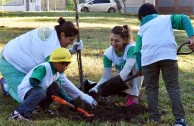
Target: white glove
pixel 94 89
pixel 77 46
pixel 89 100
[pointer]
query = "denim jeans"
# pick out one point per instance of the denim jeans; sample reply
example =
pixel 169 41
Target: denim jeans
pixel 36 97
pixel 169 70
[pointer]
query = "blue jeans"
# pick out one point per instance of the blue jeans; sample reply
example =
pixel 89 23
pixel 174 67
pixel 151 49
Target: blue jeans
pixel 169 70
pixel 39 97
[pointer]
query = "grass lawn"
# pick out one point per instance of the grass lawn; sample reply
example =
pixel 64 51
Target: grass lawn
pixel 94 31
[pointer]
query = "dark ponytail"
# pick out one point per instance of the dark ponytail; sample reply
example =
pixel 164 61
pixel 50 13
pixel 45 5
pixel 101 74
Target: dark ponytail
pixel 68 27
pixel 61 20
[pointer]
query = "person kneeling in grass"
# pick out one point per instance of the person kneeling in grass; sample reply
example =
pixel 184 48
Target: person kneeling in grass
pixel 41 83
pixel 120 54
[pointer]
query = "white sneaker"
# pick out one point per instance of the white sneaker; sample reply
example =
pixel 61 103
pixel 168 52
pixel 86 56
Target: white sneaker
pixel 16 116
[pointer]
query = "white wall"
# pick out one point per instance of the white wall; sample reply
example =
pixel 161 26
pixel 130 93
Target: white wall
pixel 35 5
pixel 14 8
pixel 150 1
pixel 137 3
pixel 133 3
pixel 132 6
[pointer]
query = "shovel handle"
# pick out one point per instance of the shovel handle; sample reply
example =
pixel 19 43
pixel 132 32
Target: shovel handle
pixel 59 100
pixel 63 102
pixel 180 47
pixel 131 77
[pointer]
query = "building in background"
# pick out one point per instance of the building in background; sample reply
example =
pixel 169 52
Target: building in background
pixel 126 6
pixel 53 5
pixel 163 6
pixel 175 6
pixel 34 5
pixel 22 5
pixel 132 6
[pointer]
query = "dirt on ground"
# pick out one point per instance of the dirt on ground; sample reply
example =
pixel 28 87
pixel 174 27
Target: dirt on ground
pixel 107 109
pixel 108 112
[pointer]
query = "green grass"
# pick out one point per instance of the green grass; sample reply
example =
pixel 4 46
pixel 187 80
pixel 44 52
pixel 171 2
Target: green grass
pixel 94 31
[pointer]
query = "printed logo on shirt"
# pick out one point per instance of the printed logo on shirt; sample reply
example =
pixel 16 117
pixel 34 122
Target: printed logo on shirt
pixel 44 33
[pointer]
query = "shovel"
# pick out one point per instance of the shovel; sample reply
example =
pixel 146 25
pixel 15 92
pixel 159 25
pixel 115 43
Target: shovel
pixel 63 102
pixel 180 47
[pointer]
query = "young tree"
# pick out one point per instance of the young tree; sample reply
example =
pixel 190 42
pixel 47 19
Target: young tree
pixel 121 5
pixel 124 9
pixel 69 5
pixel 3 2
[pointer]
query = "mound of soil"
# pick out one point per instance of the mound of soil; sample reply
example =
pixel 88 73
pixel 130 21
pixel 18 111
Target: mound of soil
pixel 117 113
pixel 109 113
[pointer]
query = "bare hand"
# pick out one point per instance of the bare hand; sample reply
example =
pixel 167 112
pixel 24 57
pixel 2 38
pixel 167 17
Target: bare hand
pixel 191 44
pixel 138 73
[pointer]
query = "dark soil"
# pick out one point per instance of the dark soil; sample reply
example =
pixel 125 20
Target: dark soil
pixel 108 113
pixel 111 113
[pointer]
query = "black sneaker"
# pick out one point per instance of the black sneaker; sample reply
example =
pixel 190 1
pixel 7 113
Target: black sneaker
pixel 16 116
pixel 180 122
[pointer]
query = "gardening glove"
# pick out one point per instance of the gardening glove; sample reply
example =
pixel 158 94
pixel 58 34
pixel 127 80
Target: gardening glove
pixel 89 100
pixel 93 91
pixel 77 46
